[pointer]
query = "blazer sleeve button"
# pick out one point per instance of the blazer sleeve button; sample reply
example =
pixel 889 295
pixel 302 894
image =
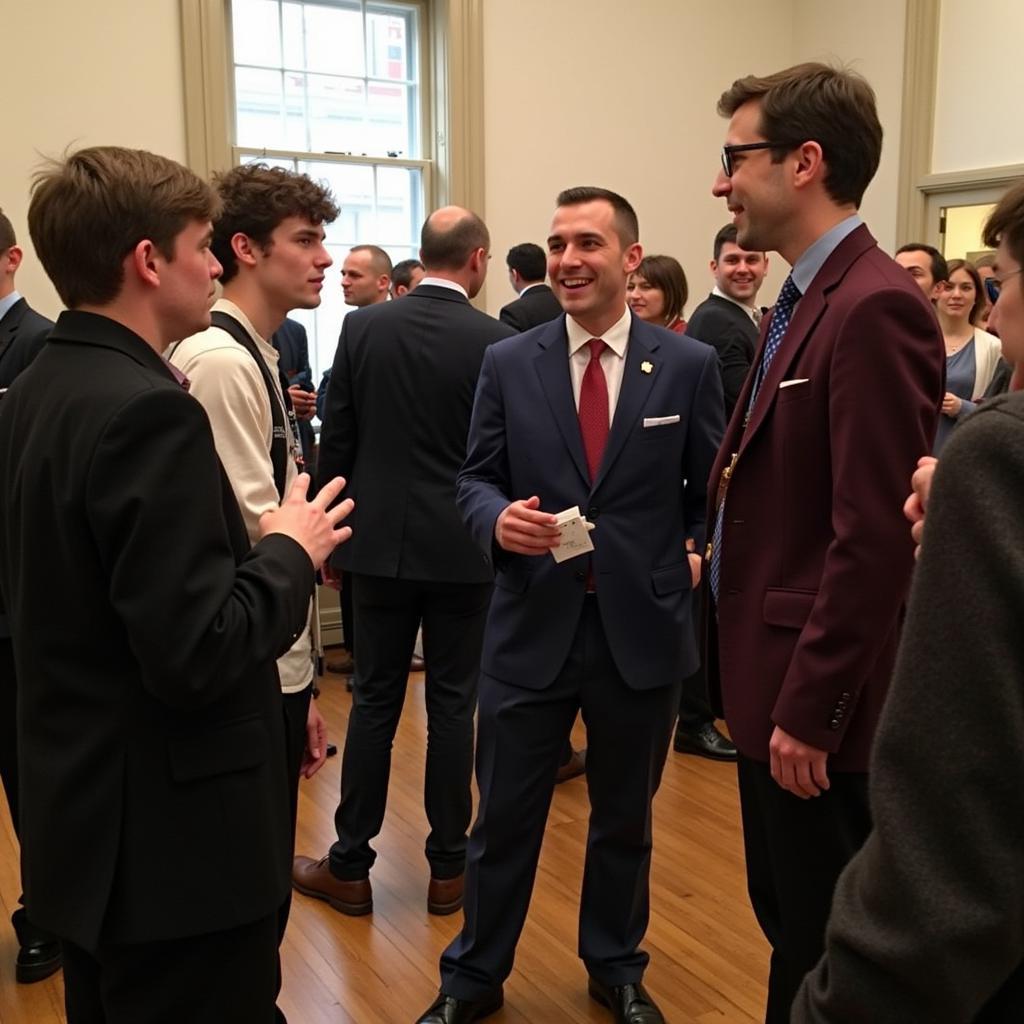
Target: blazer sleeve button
pixel 834 724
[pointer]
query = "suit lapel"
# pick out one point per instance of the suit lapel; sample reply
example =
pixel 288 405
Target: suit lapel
pixel 636 387
pixel 552 364
pixel 9 325
pixel 808 312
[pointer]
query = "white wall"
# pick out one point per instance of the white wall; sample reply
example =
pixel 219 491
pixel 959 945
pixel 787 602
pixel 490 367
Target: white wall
pixel 84 74
pixel 624 97
pixel 980 81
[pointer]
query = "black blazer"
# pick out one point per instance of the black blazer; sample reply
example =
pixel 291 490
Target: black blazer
pixel 22 333
pixel 533 308
pixel 396 419
pixel 153 780
pixel 726 328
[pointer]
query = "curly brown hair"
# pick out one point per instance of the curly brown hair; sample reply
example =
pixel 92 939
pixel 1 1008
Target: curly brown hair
pixel 256 198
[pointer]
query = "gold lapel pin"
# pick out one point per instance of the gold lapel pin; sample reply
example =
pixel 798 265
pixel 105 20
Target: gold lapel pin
pixel 646 367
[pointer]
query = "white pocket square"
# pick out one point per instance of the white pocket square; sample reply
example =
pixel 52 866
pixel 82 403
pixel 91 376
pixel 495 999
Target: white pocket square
pixel 659 421
pixel 790 383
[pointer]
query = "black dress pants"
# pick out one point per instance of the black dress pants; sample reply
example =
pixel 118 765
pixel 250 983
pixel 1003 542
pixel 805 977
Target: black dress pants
pixel 388 613
pixel 521 737
pixel 694 708
pixel 226 977
pixel 795 851
pixel 9 729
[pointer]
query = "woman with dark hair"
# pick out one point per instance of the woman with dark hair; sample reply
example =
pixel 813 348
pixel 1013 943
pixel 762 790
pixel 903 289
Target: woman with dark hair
pixel 657 292
pixel 972 354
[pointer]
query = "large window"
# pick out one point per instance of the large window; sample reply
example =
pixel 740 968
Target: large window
pixel 334 88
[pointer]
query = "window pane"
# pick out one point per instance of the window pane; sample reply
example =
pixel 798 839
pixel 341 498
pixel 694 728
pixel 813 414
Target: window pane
pixel 399 215
pixel 296 120
pixel 337 115
pixel 353 189
pixel 388 46
pixel 294 42
pixel 256 31
pixel 259 108
pixel 334 41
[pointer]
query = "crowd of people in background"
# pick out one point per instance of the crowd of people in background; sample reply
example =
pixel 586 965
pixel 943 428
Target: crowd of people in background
pixel 591 504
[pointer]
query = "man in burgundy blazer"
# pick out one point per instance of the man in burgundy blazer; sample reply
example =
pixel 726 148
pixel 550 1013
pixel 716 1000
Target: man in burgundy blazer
pixel 810 560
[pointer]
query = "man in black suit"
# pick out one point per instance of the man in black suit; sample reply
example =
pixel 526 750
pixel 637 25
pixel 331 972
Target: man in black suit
pixel 728 319
pixel 155 822
pixel 22 333
pixel 398 409
pixel 527 266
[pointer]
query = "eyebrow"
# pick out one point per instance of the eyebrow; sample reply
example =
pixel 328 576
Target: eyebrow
pixel 581 236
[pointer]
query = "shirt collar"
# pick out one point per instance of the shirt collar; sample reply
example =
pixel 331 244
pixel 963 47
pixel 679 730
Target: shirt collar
pixel 443 282
pixel 749 310
pixel 7 303
pixel 535 284
pixel 813 258
pixel 616 337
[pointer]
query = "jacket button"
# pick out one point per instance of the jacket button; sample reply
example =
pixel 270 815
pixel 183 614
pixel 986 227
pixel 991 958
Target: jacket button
pixel 592 514
pixel 834 724
pixel 847 696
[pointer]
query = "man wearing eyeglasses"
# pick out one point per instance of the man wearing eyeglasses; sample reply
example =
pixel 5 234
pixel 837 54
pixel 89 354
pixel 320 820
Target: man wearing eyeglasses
pixel 809 561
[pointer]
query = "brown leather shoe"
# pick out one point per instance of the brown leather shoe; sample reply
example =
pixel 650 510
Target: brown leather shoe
pixel 444 895
pixel 343 666
pixel 576 765
pixel 314 878
pixel 417 664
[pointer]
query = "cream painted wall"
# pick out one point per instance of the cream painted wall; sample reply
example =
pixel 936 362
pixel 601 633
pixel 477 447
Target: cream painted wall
pixel 868 36
pixel 84 74
pixel 980 71
pixel 626 99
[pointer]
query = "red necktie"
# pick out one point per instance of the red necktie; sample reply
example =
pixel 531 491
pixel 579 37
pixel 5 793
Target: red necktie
pixel 594 408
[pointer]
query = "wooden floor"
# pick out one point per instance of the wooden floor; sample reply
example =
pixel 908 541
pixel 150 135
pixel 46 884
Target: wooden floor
pixel 708 959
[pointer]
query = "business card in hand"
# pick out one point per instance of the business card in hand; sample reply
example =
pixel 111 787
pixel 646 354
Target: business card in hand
pixel 575 535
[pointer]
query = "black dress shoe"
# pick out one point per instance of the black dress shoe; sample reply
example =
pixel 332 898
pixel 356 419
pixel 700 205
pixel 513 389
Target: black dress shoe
pixel 705 741
pixel 630 1004
pixel 449 1010
pixel 39 953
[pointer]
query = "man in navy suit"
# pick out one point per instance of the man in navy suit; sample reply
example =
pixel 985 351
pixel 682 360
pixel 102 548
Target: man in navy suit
pixel 600 410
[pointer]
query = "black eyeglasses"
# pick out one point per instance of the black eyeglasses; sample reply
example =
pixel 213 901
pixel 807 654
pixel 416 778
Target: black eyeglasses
pixel 993 285
pixel 727 153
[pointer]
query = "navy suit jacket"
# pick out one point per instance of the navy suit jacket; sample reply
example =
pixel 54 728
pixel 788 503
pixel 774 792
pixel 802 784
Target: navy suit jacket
pixel 22 334
pixel 648 498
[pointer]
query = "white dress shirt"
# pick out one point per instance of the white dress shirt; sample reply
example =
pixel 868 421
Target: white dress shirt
pixel 613 359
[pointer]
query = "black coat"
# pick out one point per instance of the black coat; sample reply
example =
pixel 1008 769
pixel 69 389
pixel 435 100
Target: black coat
pixel 726 328
pixel 22 334
pixel 534 307
pixel 396 418
pixel 153 781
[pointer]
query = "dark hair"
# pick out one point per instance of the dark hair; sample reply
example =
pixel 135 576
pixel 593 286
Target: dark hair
pixel 980 296
pixel 450 249
pixel 256 198
pixel 626 224
pixel 380 261
pixel 940 271
pixel 816 103
pixel 529 259
pixel 7 236
pixel 726 234
pixel 665 272
pixel 91 209
pixel 401 273
pixel 1005 226
pixel 987 259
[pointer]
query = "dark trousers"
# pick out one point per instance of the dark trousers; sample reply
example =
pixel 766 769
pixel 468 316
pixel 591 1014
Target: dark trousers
pixel 225 977
pixel 521 737
pixel 388 613
pixel 348 621
pixel 9 729
pixel 694 708
pixel 795 851
pixel 296 710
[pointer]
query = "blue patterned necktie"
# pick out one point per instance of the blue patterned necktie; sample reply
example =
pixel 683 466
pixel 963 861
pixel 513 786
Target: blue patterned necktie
pixel 781 314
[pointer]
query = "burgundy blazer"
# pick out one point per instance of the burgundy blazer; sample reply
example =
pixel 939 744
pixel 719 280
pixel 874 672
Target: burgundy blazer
pixel 816 554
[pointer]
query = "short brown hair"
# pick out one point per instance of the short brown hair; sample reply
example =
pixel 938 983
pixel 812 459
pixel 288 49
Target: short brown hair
pixel 1005 226
pixel 980 296
pixel 89 211
pixel 380 261
pixel 626 224
pixel 813 102
pixel 450 249
pixel 7 236
pixel 256 198
pixel 666 273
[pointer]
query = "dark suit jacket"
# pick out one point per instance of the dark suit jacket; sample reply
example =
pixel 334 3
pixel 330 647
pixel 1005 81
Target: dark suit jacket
pixel 732 334
pixel 22 333
pixel 926 923
pixel 395 423
pixel 534 307
pixel 816 556
pixel 293 347
pixel 648 497
pixel 153 782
